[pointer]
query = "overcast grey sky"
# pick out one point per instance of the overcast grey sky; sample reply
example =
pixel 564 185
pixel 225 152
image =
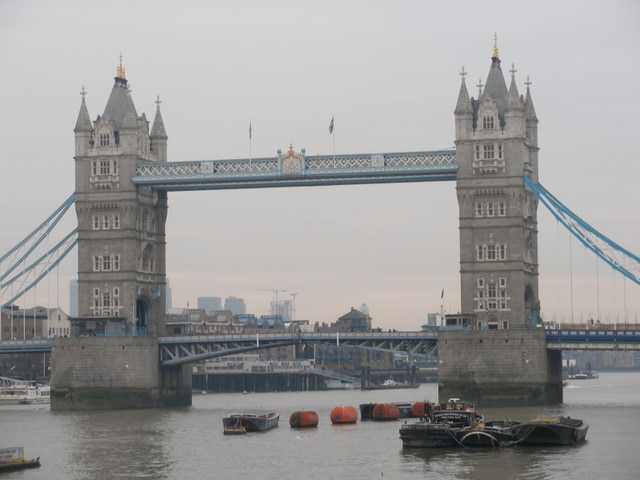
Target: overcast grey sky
pixel 389 73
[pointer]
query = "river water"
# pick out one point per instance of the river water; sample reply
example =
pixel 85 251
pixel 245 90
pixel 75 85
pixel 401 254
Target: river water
pixel 188 443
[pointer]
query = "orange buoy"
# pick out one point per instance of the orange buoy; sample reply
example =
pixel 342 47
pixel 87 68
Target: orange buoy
pixel 385 411
pixel 417 409
pixel 344 414
pixel 303 419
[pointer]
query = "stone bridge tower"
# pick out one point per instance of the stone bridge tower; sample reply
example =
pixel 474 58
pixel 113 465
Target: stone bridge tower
pixel 121 226
pixel 502 358
pixel 112 360
pixel 496 144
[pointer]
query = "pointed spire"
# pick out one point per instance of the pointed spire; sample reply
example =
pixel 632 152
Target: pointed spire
pixel 158 130
pixel 495 86
pixel 464 102
pixel 120 104
pixel 83 123
pixel 528 102
pixel 495 45
pixel 513 101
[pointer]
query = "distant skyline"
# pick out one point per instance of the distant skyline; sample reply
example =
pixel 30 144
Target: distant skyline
pixel 388 74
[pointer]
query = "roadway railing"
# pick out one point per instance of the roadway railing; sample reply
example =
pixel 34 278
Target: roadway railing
pixel 592 335
pixel 593 339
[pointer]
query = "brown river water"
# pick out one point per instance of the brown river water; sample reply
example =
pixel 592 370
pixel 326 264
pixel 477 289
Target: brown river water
pixel 189 443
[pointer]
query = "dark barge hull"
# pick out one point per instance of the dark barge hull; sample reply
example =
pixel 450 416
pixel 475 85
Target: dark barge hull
pixel 563 431
pixel 427 435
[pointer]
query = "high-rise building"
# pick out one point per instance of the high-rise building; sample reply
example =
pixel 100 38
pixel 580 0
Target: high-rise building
pixel 235 305
pixel 210 304
pixel 283 308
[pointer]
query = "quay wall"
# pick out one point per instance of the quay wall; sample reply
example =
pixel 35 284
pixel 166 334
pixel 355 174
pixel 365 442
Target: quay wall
pixel 91 373
pixel 509 367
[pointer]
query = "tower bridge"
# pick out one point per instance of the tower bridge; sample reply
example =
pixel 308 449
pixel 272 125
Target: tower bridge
pixel 122 182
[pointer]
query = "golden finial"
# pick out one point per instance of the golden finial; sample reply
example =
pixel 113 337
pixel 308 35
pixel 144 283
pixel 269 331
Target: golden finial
pixel 120 70
pixel 291 150
pixel 495 45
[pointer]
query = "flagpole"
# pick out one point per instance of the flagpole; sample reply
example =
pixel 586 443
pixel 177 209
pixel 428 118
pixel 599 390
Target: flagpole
pixel 250 150
pixel 334 149
pixel 333 139
pixel 442 322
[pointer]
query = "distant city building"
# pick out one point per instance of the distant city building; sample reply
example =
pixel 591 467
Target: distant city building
pixel 195 321
pixel 210 304
pixel 38 322
pixel 283 308
pixel 73 298
pixel 354 320
pixel 235 305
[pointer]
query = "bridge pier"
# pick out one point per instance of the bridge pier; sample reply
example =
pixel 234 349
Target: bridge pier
pixel 510 367
pixel 90 373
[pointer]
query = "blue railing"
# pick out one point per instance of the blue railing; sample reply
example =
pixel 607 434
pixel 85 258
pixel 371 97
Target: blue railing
pixel 592 335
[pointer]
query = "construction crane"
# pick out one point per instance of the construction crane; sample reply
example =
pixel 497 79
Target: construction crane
pixel 274 306
pixel 293 295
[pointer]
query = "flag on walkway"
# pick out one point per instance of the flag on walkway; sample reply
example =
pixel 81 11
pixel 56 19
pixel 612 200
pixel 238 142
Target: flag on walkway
pixel 442 294
pixel 331 126
pixel 249 129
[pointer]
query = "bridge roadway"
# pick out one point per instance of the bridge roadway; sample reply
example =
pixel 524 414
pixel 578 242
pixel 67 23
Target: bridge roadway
pixel 178 350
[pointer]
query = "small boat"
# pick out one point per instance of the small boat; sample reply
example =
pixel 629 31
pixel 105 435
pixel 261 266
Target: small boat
pixel 441 425
pixel 551 431
pixel 584 376
pixel 303 419
pixel 343 414
pixel 13 459
pixel 389 384
pixel 249 422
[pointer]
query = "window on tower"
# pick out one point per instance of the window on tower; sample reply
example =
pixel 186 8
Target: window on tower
pixel 105 167
pixel 491 252
pixel 104 139
pixel 489 151
pixel 487 122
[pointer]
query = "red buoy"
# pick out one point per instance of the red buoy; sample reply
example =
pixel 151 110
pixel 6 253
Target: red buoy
pixel 303 419
pixel 385 411
pixel 344 414
pixel 417 409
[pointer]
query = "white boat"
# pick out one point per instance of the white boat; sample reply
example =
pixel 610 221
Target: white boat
pixel 338 385
pixel 25 394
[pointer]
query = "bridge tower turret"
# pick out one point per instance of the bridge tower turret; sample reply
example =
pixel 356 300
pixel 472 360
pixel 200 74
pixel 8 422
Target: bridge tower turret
pixel 496 144
pixel 121 226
